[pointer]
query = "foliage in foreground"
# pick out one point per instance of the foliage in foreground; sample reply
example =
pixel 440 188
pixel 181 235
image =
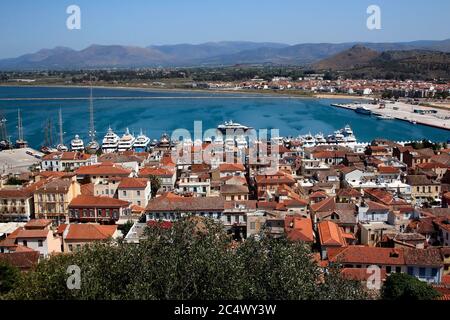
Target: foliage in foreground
pixel 400 286
pixel 9 276
pixel 193 260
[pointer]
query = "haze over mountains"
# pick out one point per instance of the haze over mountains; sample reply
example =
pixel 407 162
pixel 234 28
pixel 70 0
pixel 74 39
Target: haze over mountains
pixel 206 54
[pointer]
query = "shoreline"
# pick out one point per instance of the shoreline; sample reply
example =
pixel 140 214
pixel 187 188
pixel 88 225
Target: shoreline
pixel 270 94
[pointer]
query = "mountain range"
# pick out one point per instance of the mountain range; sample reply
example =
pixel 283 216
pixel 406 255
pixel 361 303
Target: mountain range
pixel 206 54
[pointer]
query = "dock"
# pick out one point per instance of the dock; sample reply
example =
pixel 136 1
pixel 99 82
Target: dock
pixel 432 117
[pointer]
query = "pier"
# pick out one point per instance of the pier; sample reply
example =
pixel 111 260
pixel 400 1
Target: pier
pixel 432 117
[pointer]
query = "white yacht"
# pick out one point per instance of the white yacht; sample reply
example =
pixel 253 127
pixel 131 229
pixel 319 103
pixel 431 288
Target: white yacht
pixel 77 144
pixel 320 138
pixel 308 140
pixel 230 125
pixel 110 142
pixel 141 143
pixel 126 142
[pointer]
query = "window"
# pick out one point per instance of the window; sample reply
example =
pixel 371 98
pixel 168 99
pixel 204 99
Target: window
pixel 40 243
pixel 252 225
pixel 434 272
pixel 124 192
pixel 422 272
pixel 411 271
pixel 139 203
pixel 229 219
pixel 25 243
pixel 138 193
pixel 398 269
pixel 388 269
pixel 70 247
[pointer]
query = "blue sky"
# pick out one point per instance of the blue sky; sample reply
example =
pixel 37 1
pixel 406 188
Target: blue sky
pixel 29 25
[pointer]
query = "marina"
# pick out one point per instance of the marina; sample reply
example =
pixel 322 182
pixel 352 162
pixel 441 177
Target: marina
pixel 292 117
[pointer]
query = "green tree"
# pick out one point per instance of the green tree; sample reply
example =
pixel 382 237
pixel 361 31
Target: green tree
pixel 125 228
pixel 155 184
pixel 400 286
pixel 194 259
pixel 9 277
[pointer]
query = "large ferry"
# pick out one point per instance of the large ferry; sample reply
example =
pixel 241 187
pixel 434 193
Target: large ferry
pixel 230 126
pixel 110 141
pixel 141 143
pixel 126 142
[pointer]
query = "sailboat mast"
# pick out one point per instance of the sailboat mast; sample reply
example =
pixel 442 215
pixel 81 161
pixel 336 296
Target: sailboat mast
pixel 91 118
pixel 61 133
pixel 19 126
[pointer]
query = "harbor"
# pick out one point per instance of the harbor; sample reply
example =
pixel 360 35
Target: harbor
pixel 414 114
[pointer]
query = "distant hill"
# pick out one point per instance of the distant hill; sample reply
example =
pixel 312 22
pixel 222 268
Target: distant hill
pixel 362 62
pixel 206 54
pixel 357 56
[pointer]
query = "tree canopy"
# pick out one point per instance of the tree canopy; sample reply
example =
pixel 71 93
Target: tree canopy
pixel 192 260
pixel 400 286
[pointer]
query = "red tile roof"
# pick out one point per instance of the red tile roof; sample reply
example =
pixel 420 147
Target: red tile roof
pixel 106 169
pixel 83 201
pixel 33 234
pixel 298 229
pixel 133 183
pixel 388 170
pixel 158 172
pixel 38 223
pixel 22 260
pixel 231 167
pixel 330 234
pixel 367 255
pixel 170 202
pixel 89 232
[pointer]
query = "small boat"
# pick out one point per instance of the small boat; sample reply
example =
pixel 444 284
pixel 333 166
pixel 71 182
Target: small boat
pixel 231 127
pixel 385 117
pixel 363 110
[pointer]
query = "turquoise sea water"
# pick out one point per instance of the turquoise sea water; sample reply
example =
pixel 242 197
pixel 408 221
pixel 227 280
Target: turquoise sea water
pixel 172 110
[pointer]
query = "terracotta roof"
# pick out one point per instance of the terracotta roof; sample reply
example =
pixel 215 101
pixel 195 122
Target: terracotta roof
pixel 83 201
pixel 279 178
pixel 318 194
pixel 423 257
pixel 298 229
pixel 55 185
pixel 66 156
pixel 161 224
pixel 22 260
pixel 33 234
pixel 133 183
pixel 170 203
pixel 87 189
pixel 329 154
pixel 158 172
pixel 231 167
pixel 89 232
pixel 330 234
pixel 324 205
pixel 38 223
pixel 367 255
pixel 348 192
pixel 375 206
pixel 233 189
pixel 388 170
pixel 107 169
pixel 360 274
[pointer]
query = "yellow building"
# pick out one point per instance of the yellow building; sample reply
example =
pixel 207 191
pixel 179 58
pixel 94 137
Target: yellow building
pixel 51 200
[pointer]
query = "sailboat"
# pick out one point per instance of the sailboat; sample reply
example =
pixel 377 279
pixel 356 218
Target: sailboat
pixel 61 146
pixel 47 147
pixel 93 146
pixel 20 142
pixel 5 143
